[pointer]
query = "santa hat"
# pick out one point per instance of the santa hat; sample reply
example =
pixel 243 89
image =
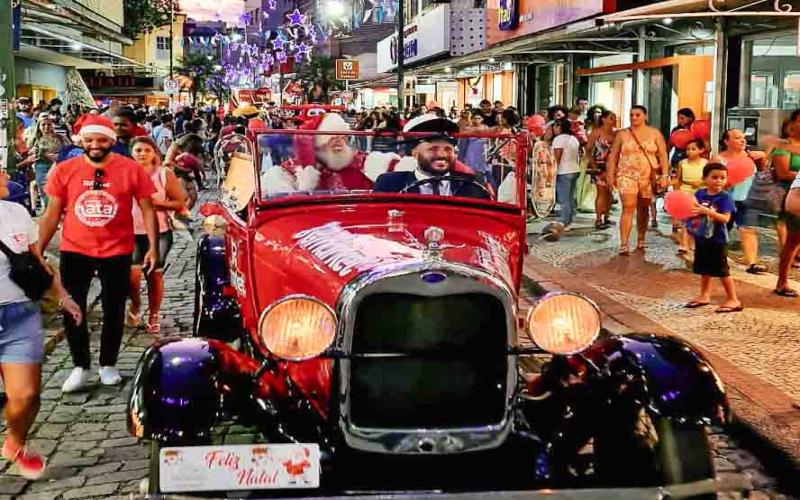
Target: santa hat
pixel 330 122
pixel 96 124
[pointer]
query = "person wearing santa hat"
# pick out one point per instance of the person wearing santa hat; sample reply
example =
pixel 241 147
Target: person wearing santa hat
pixel 94 193
pixel 326 162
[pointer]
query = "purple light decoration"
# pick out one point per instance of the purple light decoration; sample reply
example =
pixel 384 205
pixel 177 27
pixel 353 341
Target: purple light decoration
pixel 298 58
pixel 296 18
pixel 273 4
pixel 281 57
pixel 303 48
pixel 277 44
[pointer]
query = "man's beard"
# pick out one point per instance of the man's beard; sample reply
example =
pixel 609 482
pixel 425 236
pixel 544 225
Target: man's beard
pixel 336 161
pixel 427 165
pixel 95 152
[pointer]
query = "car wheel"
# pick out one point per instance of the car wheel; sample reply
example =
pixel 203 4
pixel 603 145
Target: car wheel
pixel 152 486
pixel 656 452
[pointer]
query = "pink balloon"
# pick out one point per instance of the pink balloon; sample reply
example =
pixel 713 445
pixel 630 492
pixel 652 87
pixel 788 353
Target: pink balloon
pixel 701 129
pixel 681 138
pixel 739 170
pixel 679 204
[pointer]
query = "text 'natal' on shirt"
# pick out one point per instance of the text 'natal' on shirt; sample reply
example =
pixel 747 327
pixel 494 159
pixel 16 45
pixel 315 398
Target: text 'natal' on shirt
pixel 99 222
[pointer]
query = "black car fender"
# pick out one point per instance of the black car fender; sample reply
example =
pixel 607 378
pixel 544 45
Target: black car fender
pixel 667 376
pixel 175 396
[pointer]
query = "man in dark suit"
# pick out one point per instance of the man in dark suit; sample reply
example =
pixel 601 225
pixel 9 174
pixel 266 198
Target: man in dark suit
pixel 436 171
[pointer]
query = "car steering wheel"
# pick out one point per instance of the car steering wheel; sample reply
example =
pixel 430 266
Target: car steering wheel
pixel 447 178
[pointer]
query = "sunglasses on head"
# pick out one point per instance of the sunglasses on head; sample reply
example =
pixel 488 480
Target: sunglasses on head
pixel 98 179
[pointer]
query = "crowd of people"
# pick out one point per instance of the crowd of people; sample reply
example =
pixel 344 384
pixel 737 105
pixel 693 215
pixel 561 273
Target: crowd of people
pixel 117 179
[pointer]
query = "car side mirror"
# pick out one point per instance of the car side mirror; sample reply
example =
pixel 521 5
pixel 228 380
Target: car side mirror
pixel 207 209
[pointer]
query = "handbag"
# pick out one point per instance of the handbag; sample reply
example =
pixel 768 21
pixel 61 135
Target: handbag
pixel 767 194
pixel 28 273
pixel 658 189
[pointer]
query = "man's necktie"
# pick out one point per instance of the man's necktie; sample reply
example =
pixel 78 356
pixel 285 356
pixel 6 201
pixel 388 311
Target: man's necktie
pixel 435 185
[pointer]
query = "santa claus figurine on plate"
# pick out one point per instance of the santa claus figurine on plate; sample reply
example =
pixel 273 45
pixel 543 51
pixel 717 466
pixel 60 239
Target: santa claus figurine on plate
pixel 327 162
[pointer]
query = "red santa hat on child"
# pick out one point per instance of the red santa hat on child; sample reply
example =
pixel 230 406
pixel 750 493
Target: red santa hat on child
pixel 95 124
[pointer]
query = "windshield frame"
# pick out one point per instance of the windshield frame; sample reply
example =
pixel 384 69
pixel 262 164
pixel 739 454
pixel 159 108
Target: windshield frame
pixel 523 155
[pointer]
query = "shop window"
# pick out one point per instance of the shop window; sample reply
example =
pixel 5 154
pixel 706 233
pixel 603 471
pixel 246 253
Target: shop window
pixel 692 49
pixel 772 72
pixel 791 90
pixel 162 43
pixel 763 92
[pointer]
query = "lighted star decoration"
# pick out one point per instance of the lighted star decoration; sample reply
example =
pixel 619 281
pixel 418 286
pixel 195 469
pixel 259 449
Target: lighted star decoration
pixel 277 44
pixel 298 58
pixel 281 57
pixel 272 4
pixel 296 18
pixel 303 48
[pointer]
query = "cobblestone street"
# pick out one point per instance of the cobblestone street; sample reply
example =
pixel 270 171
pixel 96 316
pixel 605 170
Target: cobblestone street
pixel 91 454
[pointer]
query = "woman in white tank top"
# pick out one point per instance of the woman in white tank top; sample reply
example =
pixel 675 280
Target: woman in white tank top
pixel 169 197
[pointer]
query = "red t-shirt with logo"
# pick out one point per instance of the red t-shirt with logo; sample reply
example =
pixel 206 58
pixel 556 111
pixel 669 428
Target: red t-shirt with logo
pixel 99 223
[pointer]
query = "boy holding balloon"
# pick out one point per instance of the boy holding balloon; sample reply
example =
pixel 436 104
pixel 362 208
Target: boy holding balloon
pixel 710 213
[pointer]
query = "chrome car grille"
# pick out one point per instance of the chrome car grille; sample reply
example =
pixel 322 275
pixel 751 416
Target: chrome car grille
pixel 426 366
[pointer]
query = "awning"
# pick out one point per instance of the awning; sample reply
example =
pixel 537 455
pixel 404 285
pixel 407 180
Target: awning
pixel 44 39
pixel 678 9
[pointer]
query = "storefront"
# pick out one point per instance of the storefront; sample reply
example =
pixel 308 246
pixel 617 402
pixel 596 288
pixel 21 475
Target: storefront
pixel 426 38
pixel 769 81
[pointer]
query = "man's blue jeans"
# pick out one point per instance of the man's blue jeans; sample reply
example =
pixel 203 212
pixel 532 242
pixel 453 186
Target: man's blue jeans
pixel 565 195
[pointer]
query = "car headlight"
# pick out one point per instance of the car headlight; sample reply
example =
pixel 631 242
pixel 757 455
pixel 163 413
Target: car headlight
pixel 564 323
pixel 215 225
pixel 297 328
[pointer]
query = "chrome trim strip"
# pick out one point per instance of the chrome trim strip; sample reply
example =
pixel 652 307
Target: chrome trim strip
pixel 461 279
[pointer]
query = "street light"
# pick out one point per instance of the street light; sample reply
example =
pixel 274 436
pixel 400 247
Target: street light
pixel 335 9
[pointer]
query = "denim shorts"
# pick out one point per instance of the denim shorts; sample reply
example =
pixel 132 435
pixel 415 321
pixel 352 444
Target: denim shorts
pixel 21 333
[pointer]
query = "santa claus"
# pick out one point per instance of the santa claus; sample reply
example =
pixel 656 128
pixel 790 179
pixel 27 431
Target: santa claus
pixel 327 162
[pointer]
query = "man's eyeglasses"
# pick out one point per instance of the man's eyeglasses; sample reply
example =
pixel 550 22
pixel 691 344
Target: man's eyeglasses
pixel 98 179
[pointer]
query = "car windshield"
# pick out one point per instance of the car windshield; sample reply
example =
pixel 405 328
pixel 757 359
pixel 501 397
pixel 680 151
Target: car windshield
pixel 296 163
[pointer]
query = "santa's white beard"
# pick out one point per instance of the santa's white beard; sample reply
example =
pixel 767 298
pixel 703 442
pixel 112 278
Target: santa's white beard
pixel 336 161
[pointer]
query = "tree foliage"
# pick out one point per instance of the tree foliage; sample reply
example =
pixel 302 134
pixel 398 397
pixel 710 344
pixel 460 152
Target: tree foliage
pixel 322 70
pixel 205 77
pixel 143 16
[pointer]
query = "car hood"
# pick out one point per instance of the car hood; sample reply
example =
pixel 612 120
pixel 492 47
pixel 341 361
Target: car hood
pixel 304 254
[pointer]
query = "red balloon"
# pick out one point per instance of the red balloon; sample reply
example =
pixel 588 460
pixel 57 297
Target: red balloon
pixel 739 170
pixel 679 204
pixel 681 138
pixel 701 129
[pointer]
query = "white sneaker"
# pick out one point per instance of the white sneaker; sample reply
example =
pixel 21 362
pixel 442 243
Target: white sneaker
pixel 76 380
pixel 109 375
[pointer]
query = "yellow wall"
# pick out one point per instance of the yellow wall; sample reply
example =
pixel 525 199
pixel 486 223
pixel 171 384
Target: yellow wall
pixel 145 48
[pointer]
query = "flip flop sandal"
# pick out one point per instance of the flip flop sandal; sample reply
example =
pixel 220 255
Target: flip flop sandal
pixel 624 251
pixel 756 269
pixel 683 251
pixel 786 292
pixel 695 304
pixel 153 328
pixel 133 320
pixel 727 310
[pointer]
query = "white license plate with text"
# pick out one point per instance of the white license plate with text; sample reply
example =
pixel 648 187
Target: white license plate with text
pixel 239 467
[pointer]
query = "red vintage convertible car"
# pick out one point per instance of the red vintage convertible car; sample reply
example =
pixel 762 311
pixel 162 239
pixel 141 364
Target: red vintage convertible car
pixel 376 341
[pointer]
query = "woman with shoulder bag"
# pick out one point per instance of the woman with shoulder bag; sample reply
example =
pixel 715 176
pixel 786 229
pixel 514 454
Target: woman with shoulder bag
pixel 169 197
pixel 637 166
pixel 23 272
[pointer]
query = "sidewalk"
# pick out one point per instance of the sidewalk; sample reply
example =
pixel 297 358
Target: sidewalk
pixel 756 352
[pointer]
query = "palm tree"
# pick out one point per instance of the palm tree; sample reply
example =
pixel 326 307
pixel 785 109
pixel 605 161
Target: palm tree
pixel 200 69
pixel 320 70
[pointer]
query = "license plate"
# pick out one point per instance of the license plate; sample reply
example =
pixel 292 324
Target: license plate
pixel 239 467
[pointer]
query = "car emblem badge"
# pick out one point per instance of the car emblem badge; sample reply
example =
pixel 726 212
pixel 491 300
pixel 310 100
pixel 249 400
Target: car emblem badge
pixel 433 239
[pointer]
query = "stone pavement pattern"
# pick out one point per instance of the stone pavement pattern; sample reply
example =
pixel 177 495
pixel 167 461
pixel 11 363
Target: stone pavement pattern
pixel 88 447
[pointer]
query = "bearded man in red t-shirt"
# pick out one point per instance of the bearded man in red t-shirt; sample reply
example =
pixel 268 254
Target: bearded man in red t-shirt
pixel 95 193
